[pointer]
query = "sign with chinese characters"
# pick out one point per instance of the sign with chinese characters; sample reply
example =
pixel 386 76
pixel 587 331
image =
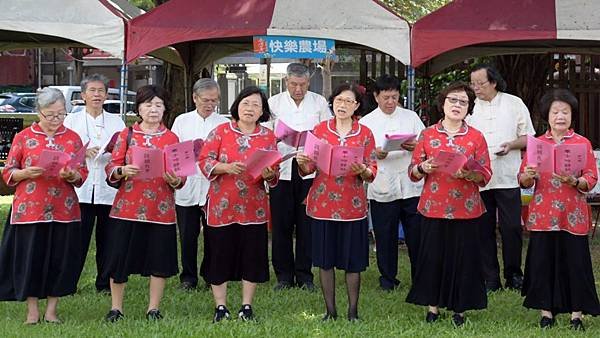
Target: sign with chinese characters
pixel 293 47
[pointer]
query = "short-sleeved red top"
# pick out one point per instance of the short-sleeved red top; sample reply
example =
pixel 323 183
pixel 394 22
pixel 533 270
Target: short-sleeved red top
pixel 143 200
pixel 559 206
pixel 443 195
pixel 235 198
pixel 342 198
pixel 43 199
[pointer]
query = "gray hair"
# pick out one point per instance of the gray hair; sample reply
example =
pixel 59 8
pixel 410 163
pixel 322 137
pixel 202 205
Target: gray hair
pixel 94 78
pixel 48 96
pixel 297 70
pixel 205 84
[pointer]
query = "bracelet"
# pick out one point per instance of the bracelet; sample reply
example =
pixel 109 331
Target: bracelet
pixel 420 169
pixel 576 183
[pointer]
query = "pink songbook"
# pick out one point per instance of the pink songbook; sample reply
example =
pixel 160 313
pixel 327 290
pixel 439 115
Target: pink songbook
pixel 332 160
pixel 290 136
pixel 562 159
pixel 473 165
pixel 395 142
pixel 198 144
pixel 260 159
pixel 78 159
pixel 52 161
pixel 150 161
pixel 180 158
pixel 450 162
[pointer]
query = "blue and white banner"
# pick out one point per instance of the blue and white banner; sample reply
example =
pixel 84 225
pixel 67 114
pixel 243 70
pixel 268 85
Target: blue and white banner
pixel 293 47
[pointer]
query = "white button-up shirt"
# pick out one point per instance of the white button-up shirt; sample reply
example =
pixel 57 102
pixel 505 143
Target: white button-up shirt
pixel 503 119
pixel 98 131
pixel 191 126
pixel 392 181
pixel 312 110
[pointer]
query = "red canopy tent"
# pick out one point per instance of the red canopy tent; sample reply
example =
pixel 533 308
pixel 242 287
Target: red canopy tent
pixel 181 23
pixel 468 28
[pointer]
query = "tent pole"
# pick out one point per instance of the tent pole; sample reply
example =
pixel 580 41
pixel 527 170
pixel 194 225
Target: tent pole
pixel 123 88
pixel 185 87
pixel 411 87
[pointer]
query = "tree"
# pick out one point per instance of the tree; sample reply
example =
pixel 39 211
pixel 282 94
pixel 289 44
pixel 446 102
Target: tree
pixel 412 10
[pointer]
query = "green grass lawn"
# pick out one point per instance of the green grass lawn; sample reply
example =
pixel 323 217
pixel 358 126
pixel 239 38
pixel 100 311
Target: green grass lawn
pixel 292 313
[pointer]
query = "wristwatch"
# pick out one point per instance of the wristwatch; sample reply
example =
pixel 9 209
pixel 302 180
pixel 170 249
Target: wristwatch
pixel 120 171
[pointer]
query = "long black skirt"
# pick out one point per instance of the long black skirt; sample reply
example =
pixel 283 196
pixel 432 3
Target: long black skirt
pixel 340 245
pixel 142 248
pixel 449 271
pixel 39 260
pixel 558 274
pixel 236 252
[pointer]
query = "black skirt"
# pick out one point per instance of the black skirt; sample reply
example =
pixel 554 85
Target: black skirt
pixel 235 252
pixel 558 274
pixel 340 245
pixel 449 270
pixel 39 260
pixel 143 248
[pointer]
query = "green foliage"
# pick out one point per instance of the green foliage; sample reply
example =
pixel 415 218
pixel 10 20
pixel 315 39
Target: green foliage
pixel 412 10
pixel 292 313
pixel 143 4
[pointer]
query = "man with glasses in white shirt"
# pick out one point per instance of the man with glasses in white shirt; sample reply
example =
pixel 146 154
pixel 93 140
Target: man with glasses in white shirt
pixel 505 122
pixel 190 199
pixel 301 110
pixel 393 197
pixel 97 126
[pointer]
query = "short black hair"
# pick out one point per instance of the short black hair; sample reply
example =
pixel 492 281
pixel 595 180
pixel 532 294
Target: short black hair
pixel 493 76
pixel 147 93
pixel 358 97
pixel 455 87
pixel 386 82
pixel 562 95
pixel 251 90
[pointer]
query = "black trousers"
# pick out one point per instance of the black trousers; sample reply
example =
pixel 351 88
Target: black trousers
pixel 506 203
pixel 386 216
pixel 189 222
pixel 95 214
pixel 288 212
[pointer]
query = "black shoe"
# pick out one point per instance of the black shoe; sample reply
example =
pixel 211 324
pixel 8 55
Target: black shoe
pixel 283 285
pixel 515 283
pixel 154 314
pixel 187 286
pixel 308 286
pixel 353 318
pixel 492 286
pixel 104 290
pixel 546 322
pixel 114 316
pixel 577 324
pixel 458 319
pixel 246 313
pixel 221 313
pixel 431 317
pixel 329 316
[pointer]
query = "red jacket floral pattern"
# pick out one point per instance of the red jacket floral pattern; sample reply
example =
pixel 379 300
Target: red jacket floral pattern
pixel 43 199
pixel 342 198
pixel 443 195
pixel 235 198
pixel 557 206
pixel 143 200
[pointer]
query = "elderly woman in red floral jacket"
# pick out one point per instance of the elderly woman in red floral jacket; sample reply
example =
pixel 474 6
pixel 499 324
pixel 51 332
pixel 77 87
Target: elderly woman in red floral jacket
pixel 558 268
pixel 41 247
pixel 235 239
pixel 449 270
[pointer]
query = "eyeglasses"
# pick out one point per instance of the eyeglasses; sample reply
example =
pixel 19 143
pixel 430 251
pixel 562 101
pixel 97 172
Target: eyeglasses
pixel 57 117
pixel 100 91
pixel 208 101
pixel 454 100
pixel 341 100
pixel 478 84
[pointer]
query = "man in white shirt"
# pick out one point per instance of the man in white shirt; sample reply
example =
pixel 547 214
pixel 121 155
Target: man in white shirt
pixel 393 197
pixel 95 196
pixel 301 110
pixel 505 122
pixel 190 199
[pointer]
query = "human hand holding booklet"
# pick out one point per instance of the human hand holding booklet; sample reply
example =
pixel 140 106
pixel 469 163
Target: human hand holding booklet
pixel 395 142
pixel 332 160
pixel 262 158
pixel 178 158
pixel 450 162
